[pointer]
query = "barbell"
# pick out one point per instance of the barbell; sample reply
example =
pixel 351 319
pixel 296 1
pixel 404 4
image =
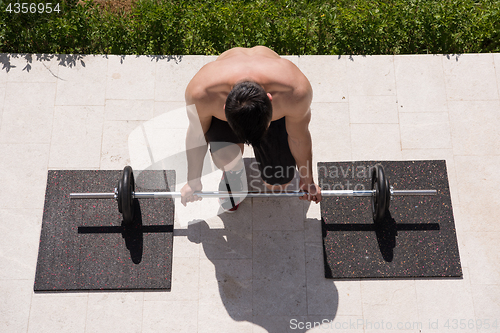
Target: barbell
pixel 381 193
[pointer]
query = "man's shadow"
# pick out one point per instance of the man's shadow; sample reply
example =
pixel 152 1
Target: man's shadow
pixel 268 274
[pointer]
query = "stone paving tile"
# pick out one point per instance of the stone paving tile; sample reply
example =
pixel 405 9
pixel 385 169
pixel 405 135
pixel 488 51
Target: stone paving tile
pixel 330 132
pixel 84 83
pixel 366 109
pixel 371 76
pixel 443 301
pixel 425 130
pixel 470 77
pixel 23 175
pixel 388 302
pixel 28 110
pixel 129 110
pixel 478 179
pixel 19 247
pixel 115 149
pixel 115 312
pixel 76 136
pixel 328 77
pixel 169 316
pixel 376 142
pixel 486 300
pixel 130 78
pixel 474 127
pixel 481 252
pixel 420 83
pixel 15 305
pixel 58 313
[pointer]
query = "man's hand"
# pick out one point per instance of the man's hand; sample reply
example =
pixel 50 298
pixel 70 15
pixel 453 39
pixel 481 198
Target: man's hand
pixel 188 190
pixel 313 191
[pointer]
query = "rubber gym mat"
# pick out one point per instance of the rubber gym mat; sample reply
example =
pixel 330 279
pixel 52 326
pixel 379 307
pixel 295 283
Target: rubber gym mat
pixel 417 238
pixel 83 244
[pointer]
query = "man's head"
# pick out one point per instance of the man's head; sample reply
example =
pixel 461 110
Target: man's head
pixel 249 112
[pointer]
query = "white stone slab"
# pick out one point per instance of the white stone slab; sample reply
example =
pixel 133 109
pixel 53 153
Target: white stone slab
pixel 420 83
pixel 27 112
pixel 170 316
pixel 15 305
pixel 389 302
pixel 371 75
pixel 373 110
pixel 84 83
pixel 58 313
pixel 18 258
pixel 130 77
pixel 481 251
pixel 425 130
pixel 115 150
pixel 330 132
pixel 76 136
pixel 23 175
pixel 470 77
pixel 474 127
pixel 128 109
pixel 478 178
pixel 442 301
pixel 328 77
pixel 376 142
pixel 114 312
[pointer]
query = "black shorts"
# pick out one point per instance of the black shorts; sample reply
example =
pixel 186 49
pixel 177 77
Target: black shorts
pixel 275 160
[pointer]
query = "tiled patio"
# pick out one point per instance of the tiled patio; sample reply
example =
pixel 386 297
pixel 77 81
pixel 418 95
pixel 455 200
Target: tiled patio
pixel 260 269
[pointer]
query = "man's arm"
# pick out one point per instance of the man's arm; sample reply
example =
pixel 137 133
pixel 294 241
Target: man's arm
pixel 196 145
pixel 300 142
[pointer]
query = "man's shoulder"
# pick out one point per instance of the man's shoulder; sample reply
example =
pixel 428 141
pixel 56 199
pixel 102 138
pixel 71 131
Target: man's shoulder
pixel 209 76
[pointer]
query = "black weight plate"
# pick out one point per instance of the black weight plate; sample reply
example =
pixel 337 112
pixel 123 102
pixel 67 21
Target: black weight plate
pixel 387 194
pixel 125 195
pixel 382 196
pixel 119 188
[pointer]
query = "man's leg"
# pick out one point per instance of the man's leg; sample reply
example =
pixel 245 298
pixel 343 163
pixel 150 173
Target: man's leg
pixel 227 154
pixel 229 158
pixel 276 162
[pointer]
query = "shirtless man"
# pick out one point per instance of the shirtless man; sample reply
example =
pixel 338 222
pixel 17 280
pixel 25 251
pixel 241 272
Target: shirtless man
pixel 252 96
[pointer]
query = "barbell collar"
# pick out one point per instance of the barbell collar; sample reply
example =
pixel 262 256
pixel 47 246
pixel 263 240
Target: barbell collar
pixel 413 192
pixel 92 196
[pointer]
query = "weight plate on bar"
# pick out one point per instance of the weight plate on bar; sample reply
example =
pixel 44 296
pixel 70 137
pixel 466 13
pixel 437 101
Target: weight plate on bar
pixel 382 196
pixel 118 191
pixel 125 198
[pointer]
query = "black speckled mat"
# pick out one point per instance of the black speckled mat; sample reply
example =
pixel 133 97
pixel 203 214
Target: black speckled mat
pixel 83 245
pixel 417 238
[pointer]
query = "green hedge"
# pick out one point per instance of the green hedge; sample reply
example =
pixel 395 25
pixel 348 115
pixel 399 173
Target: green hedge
pixel 158 27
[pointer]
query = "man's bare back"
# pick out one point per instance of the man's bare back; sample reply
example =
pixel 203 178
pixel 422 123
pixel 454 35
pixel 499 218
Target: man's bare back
pixel 290 90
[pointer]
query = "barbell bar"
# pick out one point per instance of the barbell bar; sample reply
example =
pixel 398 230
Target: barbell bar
pixel 381 194
pixel 250 194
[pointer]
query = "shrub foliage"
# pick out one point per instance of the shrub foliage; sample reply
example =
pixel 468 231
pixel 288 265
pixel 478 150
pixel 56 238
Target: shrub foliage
pixel 210 27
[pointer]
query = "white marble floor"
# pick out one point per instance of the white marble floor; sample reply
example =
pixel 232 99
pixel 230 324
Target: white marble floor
pixel 259 270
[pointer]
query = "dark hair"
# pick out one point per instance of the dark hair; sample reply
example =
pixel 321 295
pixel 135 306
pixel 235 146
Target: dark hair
pixel 248 112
